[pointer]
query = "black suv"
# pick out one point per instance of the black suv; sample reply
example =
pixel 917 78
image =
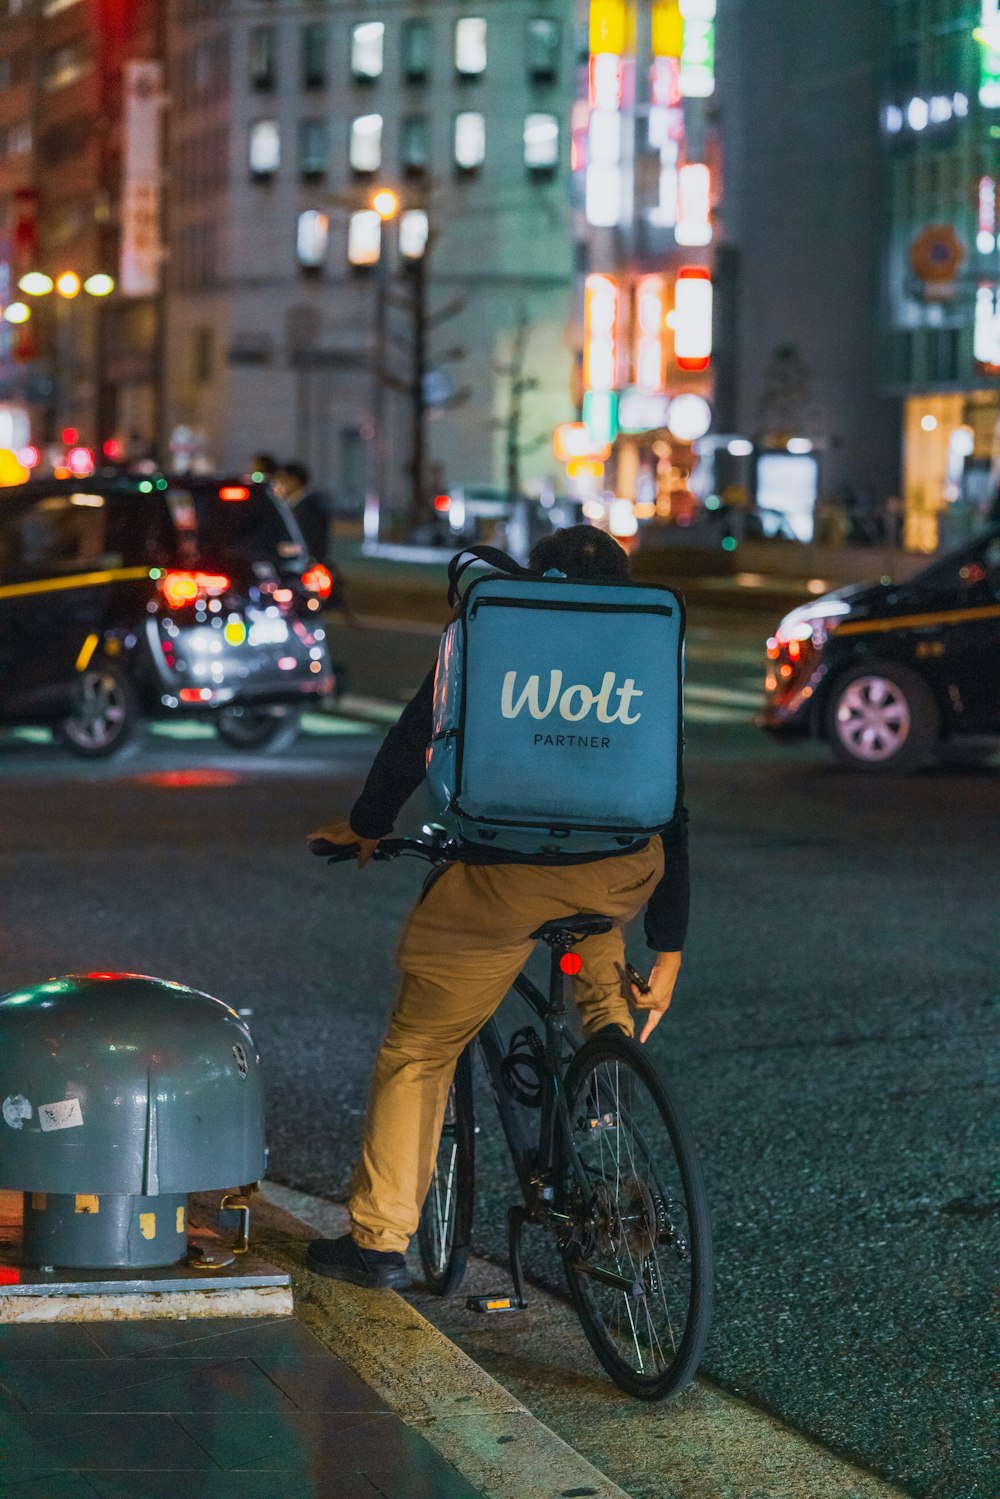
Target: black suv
pixel 124 596
pixel 885 673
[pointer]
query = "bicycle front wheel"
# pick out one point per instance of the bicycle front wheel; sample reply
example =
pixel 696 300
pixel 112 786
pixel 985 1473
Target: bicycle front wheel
pixel 638 1246
pixel 445 1227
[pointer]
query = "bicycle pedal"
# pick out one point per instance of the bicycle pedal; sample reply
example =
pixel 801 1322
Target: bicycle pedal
pixel 495 1304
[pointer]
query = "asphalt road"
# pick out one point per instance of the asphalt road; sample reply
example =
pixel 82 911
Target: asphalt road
pixel 830 1036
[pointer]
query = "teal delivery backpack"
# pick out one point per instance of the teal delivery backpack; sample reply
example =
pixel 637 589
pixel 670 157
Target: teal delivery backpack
pixel 557 711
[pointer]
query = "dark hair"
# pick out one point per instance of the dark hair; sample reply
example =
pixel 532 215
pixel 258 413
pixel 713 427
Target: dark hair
pixel 296 471
pixel 581 552
pixel 264 463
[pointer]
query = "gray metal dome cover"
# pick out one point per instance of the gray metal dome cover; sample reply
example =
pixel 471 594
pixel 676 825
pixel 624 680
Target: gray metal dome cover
pixel 119 1083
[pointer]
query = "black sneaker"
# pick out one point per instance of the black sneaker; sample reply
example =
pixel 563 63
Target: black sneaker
pixel 342 1259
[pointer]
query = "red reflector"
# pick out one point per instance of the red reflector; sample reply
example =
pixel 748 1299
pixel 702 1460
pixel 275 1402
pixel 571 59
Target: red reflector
pixel 234 492
pixel 318 580
pixel 442 502
pixel 9 1276
pixel 571 962
pixel 185 588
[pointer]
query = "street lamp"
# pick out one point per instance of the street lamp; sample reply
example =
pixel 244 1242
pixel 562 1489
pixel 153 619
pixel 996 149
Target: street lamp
pixel 386 204
pixel 67 285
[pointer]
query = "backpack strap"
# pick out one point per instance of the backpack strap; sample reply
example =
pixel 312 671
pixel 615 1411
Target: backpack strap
pixel 492 556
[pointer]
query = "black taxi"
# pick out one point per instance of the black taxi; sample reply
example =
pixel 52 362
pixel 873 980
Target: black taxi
pixel 887 673
pixel 131 596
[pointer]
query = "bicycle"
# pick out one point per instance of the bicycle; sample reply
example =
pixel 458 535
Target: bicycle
pixel 611 1170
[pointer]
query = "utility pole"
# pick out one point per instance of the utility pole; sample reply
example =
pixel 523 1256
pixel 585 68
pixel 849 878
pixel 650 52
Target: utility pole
pixel 418 392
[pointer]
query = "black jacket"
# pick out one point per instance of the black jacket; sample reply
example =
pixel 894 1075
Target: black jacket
pixel 399 767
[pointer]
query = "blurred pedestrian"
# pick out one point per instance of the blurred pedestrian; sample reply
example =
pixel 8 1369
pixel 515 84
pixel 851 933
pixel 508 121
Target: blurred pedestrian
pixel 264 464
pixel 313 508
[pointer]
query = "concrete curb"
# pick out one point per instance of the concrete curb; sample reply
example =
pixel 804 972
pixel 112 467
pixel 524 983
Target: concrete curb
pixel 472 1421
pixel 709 1444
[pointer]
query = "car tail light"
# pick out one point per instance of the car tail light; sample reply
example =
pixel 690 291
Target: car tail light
pixel 234 492
pixel 182 588
pixel 318 579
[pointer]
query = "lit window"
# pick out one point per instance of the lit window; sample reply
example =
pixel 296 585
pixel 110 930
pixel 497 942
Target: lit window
pixel 364 237
pixel 470 140
pixel 314 147
pixel 311 238
pixel 541 142
pixel 414 143
pixel 367 43
pixel 542 46
pixel 313 56
pixel 416 51
pixel 265 148
pixel 263 58
pixel 413 230
pixel 470 46
pixel 366 143
pixel 64 65
pixel 15 140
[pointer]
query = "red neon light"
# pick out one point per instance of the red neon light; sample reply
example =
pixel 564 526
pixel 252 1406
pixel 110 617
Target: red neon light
pixel 442 502
pixel 234 492
pixel 570 962
pixel 70 436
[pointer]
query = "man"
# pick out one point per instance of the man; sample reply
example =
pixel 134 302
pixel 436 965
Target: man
pixel 311 507
pixel 466 940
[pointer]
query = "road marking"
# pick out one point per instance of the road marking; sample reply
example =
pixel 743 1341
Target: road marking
pixel 329 723
pixel 705 713
pixel 733 695
pixel 710 654
pixel 378 708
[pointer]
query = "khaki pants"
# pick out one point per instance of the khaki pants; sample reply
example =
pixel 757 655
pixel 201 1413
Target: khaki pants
pixel 466 940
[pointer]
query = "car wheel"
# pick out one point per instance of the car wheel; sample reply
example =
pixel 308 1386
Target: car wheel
pixel 273 727
pixel 881 717
pixel 105 712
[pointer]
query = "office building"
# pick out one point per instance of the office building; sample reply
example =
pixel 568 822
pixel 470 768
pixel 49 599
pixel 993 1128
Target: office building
pixel 80 101
pixel 289 290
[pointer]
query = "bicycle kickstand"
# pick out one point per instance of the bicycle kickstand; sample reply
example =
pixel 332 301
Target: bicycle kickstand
pixel 516 1219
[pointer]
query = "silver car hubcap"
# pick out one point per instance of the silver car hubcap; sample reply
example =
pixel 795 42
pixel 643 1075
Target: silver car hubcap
pixel 101 709
pixel 873 718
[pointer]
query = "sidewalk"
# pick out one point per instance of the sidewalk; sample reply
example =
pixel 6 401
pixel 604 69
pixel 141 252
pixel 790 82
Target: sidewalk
pixel 767 577
pixel 354 1396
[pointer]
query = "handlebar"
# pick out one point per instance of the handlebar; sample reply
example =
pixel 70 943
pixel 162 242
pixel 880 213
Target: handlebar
pixel 435 847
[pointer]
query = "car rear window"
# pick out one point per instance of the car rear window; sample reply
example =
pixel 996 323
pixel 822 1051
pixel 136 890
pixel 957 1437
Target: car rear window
pixel 256 526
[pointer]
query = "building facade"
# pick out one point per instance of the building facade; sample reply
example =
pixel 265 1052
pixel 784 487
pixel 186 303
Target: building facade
pixel 80 98
pixel 646 193
pixel 940 132
pixel 805 225
pixel 288 293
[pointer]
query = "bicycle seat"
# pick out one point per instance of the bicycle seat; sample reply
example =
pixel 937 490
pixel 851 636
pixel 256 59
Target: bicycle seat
pixel 579 926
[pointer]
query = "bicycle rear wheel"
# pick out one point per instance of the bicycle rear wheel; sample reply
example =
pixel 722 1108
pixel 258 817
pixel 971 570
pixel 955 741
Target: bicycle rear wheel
pixel 638 1256
pixel 445 1226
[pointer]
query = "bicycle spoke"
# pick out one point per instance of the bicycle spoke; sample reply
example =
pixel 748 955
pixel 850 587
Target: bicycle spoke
pixel 634 1228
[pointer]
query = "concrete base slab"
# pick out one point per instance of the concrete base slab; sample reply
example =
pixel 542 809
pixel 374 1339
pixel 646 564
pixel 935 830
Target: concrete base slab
pixel 247 1301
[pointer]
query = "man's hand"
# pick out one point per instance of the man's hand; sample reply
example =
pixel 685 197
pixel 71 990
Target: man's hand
pixel 662 979
pixel 343 833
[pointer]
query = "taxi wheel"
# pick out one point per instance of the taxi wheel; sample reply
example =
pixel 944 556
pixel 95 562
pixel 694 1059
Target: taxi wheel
pixel 273 727
pixel 105 712
pixel 881 717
